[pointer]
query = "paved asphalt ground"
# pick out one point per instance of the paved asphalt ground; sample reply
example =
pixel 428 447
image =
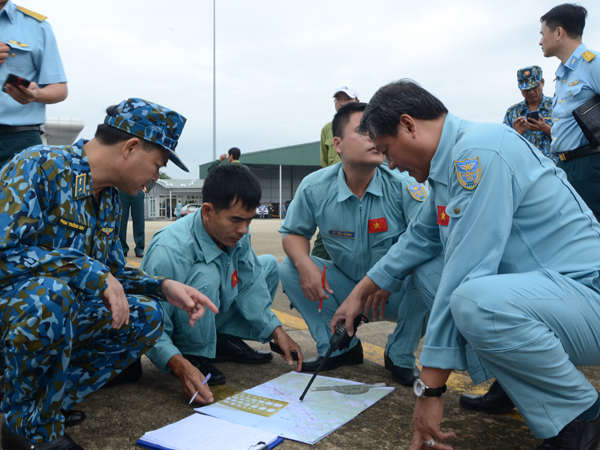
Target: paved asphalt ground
pixel 118 416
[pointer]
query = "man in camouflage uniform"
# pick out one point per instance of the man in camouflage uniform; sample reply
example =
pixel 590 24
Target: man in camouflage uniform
pixel 537 131
pixel 73 315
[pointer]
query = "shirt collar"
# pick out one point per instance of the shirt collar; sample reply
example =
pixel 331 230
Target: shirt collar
pixel 209 248
pixel 572 62
pixel 438 170
pixel 9 9
pixel 80 165
pixel 373 188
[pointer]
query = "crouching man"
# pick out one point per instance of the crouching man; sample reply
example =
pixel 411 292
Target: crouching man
pixel 211 251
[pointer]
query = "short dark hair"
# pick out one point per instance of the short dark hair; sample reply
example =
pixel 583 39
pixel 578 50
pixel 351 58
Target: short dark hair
pixel 382 115
pixel 234 152
pixel 107 135
pixel 228 184
pixel 342 117
pixel 569 16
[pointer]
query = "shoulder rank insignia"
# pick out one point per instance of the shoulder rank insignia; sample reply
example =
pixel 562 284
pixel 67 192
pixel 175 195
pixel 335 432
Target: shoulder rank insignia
pixel 468 172
pixel 417 191
pixel 18 43
pixel 30 13
pixel 588 56
pixel 80 183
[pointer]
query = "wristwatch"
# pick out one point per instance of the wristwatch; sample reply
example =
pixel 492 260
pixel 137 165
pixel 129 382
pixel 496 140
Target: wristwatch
pixel 422 390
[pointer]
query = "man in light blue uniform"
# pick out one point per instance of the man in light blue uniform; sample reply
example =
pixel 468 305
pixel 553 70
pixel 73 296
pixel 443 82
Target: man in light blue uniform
pixel 211 250
pixel 577 81
pixel 28 49
pixel 361 208
pixel 529 309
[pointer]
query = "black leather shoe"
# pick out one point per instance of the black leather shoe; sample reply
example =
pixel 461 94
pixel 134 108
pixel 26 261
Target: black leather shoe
pixel 236 350
pixel 495 401
pixel 352 357
pixel 139 254
pixel 205 367
pixel 578 435
pixel 12 441
pixel 72 417
pixel 402 375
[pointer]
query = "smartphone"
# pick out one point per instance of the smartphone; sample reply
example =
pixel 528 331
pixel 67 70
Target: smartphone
pixel 16 81
pixel 533 115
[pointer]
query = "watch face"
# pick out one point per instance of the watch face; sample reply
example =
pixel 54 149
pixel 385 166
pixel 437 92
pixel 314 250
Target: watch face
pixel 418 387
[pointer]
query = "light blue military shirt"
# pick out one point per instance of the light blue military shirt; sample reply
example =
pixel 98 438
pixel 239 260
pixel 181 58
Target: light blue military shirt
pixel 356 232
pixel 33 55
pixel 496 206
pixel 185 252
pixel 576 82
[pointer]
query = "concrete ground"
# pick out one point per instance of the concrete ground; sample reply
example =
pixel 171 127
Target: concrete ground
pixel 118 416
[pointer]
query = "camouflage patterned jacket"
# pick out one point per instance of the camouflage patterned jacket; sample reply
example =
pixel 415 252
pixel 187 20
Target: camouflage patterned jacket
pixel 52 225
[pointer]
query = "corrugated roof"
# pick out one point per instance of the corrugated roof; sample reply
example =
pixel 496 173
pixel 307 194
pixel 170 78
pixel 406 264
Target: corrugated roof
pixel 293 155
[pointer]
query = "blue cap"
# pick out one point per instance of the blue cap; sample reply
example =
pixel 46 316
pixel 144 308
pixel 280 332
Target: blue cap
pixel 151 122
pixel 529 77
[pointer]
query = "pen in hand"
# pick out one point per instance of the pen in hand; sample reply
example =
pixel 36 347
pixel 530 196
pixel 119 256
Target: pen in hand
pixel 203 383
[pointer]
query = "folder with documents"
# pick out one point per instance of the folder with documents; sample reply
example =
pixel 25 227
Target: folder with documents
pixel 200 432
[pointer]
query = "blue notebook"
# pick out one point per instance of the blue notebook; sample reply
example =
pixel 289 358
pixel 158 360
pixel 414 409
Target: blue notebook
pixel 202 431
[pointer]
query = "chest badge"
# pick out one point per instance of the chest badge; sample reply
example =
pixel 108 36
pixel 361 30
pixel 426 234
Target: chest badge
pixel 18 43
pixel 468 172
pixel 378 225
pixel 442 218
pixel 107 231
pixel 417 191
pixel 234 278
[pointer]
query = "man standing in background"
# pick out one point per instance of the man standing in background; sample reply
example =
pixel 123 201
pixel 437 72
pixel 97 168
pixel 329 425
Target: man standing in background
pixel 532 118
pixel 136 204
pixel 28 50
pixel 577 81
pixel 231 157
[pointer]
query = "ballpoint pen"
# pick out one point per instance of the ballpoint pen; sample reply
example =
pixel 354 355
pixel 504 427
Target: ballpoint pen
pixel 321 300
pixel 203 383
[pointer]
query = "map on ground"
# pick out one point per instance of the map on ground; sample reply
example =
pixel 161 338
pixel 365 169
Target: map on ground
pixel 309 421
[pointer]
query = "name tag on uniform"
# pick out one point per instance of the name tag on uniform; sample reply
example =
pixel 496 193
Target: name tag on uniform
pixel 71 225
pixel 342 234
pixel 442 218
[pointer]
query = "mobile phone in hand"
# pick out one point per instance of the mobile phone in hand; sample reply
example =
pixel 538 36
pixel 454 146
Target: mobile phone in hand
pixel 533 115
pixel 16 81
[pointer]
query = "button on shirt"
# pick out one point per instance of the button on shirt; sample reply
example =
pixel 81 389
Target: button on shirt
pixel 33 55
pixel 52 225
pixel 349 225
pixel 576 82
pixel 519 204
pixel 538 138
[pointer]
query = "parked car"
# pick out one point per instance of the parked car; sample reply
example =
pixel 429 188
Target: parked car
pixel 189 209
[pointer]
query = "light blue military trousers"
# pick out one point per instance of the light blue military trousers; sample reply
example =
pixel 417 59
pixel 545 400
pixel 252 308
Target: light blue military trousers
pixel 531 330
pixel 406 307
pixel 232 322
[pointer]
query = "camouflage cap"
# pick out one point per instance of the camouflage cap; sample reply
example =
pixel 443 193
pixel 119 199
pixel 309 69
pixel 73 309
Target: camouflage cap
pixel 151 122
pixel 529 77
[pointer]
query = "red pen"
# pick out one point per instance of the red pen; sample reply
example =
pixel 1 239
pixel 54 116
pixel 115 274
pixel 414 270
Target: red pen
pixel 321 300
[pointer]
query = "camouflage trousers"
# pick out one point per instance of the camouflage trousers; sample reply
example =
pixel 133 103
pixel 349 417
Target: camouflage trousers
pixel 59 346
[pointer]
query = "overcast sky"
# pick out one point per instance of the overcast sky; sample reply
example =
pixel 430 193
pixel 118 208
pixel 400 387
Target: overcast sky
pixel 280 61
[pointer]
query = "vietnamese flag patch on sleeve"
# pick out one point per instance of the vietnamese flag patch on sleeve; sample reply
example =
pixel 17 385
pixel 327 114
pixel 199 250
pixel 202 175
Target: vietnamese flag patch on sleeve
pixel 377 225
pixel 234 278
pixel 442 218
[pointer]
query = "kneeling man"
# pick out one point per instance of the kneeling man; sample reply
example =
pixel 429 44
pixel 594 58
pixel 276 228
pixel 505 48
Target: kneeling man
pixel 361 208
pixel 211 251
